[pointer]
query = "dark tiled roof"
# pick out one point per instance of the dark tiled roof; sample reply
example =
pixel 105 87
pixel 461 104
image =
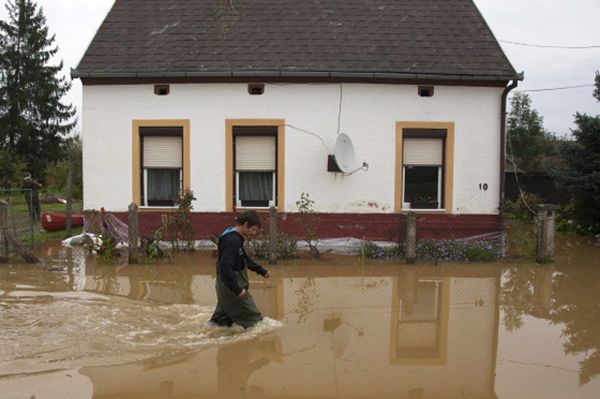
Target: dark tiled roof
pixel 432 37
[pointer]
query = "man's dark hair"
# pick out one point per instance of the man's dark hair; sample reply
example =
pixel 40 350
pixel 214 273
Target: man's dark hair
pixel 250 217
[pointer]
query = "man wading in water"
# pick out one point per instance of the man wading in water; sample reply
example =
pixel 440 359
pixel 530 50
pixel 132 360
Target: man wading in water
pixel 234 302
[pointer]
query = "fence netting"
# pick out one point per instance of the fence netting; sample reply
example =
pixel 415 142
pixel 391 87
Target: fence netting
pixel 376 236
pixel 22 220
pixel 384 237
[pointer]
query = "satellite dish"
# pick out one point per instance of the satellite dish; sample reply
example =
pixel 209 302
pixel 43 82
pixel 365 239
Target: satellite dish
pixel 344 153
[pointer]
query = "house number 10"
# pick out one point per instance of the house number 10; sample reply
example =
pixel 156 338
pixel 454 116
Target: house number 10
pixel 483 186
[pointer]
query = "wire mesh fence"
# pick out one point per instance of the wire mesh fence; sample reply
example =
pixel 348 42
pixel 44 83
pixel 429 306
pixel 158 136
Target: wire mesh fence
pixel 385 236
pixel 377 236
pixel 22 219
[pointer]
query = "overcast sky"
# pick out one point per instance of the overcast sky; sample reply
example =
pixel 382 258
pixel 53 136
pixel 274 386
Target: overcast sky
pixel 540 22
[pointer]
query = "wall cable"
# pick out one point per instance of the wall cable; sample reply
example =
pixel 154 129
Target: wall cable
pixel 340 109
pixel 307 132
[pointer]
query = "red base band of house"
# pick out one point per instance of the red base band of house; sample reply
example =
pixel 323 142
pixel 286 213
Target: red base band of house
pixel 368 226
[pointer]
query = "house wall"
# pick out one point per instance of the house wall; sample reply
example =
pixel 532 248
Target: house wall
pixel 369 115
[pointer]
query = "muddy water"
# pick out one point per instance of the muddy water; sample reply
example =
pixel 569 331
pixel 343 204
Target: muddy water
pixel 73 329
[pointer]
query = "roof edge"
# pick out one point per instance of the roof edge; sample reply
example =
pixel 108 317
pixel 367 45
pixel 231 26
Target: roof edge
pixel 76 74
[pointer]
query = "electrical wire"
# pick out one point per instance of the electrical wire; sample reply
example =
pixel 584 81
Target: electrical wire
pixel 553 88
pixel 550 46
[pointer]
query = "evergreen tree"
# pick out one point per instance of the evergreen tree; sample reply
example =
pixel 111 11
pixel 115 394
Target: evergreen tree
pixel 597 89
pixel 580 172
pixel 33 120
pixel 528 140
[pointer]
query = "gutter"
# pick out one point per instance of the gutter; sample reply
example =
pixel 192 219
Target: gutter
pixel 508 88
pixel 75 74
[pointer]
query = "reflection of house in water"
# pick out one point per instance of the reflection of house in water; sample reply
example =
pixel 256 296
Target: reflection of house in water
pixel 419 320
pixel 400 332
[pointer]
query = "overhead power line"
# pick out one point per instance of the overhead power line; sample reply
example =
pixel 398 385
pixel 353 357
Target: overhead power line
pixel 551 46
pixel 554 88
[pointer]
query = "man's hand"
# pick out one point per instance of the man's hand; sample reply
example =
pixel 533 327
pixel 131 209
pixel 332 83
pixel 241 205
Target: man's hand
pixel 243 293
pixel 267 275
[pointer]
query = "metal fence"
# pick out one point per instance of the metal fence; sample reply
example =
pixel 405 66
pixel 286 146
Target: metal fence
pixel 22 218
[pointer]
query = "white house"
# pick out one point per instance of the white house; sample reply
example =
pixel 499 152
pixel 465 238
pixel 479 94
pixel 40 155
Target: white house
pixel 243 102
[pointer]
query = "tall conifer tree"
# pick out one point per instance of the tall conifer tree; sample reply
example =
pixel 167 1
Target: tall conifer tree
pixel 33 120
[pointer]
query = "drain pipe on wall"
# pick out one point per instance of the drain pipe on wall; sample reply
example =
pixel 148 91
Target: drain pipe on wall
pixel 507 90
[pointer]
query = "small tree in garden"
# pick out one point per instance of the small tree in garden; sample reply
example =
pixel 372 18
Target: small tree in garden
pixel 179 226
pixel 309 223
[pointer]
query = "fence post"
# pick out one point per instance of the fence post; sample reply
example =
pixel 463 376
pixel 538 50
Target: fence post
pixel 546 218
pixel 542 291
pixel 272 235
pixel 133 233
pixel 411 237
pixel 3 228
pixel 69 201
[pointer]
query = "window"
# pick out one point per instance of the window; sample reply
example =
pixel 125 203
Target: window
pixel 274 129
pixel 416 179
pixel 255 166
pixel 161 165
pixel 423 173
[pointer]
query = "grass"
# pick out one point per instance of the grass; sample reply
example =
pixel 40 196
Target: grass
pixel 19 214
pixel 43 235
pixel 21 206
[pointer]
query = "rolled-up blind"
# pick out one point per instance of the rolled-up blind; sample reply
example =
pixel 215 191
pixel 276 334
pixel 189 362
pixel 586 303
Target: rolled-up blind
pixel 423 151
pixel 162 152
pixel 255 153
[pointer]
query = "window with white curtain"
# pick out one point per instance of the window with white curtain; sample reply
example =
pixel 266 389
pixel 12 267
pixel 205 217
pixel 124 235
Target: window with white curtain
pixel 423 161
pixel 255 170
pixel 162 166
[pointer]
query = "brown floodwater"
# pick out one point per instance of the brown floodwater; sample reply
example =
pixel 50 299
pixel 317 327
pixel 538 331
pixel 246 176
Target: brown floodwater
pixel 337 328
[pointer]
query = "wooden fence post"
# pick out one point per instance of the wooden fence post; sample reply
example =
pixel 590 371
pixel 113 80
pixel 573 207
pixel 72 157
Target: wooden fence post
pixel 69 207
pixel 3 229
pixel 272 235
pixel 133 234
pixel 411 237
pixel 546 222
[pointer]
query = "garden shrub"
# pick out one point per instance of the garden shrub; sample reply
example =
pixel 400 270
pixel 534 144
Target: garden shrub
pixel 372 250
pixel 476 250
pixel 286 247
